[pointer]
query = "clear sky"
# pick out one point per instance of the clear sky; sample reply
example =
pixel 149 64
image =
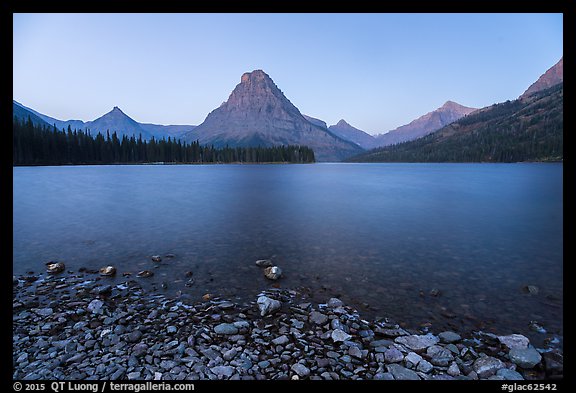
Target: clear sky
pixel 376 71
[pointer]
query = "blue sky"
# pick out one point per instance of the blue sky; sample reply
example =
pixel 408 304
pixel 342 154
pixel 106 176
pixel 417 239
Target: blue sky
pixel 377 71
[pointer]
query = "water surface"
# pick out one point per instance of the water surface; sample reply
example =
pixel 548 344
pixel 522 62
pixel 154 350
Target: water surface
pixel 380 236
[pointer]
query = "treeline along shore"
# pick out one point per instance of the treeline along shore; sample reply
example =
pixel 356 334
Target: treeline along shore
pixel 41 145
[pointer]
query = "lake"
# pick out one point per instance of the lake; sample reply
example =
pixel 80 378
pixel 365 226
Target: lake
pixel 384 238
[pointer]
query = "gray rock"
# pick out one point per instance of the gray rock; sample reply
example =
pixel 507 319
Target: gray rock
pixel 242 324
pixel 264 364
pixel 356 352
pixel 525 357
pixel 318 318
pixel 45 312
pixel 383 377
pixel 424 366
pixel 140 350
pixel 267 306
pixel 223 371
pixel 22 358
pixel 281 340
pixel 487 366
pixel 230 354
pixel 402 373
pixel 514 341
pixel 510 375
pixel 340 335
pixel 171 329
pixel 300 369
pixel 297 324
pixel 417 342
pixel 134 336
pixel 449 337
pixel 453 370
pixel 393 355
pixel 439 356
pixel 396 332
pixel 95 306
pixel 381 343
pixel 264 263
pixel 225 328
pixel 134 375
pixel 337 324
pixel 413 358
pixel 335 302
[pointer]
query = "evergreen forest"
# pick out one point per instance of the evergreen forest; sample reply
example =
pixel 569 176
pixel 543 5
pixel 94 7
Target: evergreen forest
pixel 36 144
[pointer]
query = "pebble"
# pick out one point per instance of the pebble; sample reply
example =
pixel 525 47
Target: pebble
pixel 393 355
pixel 318 318
pixel 301 370
pixel 417 342
pixel 225 328
pixel 95 306
pixel 340 335
pixel 128 333
pixel 402 373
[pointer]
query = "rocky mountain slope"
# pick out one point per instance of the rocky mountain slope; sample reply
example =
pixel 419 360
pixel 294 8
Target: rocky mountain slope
pixel 424 125
pixel 258 113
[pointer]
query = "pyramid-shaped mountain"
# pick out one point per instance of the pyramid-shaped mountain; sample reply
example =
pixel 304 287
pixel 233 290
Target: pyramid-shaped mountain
pixel 258 114
pixel 353 134
pixel 119 122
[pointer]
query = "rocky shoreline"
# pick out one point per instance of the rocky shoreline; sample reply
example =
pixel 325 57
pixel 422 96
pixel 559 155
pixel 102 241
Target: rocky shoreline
pixel 77 326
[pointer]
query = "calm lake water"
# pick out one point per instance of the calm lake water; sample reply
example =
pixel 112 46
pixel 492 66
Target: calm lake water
pixel 380 236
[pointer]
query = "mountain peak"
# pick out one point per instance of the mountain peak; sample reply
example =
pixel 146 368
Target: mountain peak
pixel 553 76
pixel 254 76
pixel 116 110
pixel 257 113
pixel 343 123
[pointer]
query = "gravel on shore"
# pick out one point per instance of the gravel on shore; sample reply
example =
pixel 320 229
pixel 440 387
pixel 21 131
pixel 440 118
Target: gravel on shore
pixel 77 326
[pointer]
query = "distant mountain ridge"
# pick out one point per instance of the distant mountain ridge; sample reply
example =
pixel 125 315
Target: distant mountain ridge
pixel 426 124
pixel 114 121
pixel 258 113
pixel 529 129
pixel 346 131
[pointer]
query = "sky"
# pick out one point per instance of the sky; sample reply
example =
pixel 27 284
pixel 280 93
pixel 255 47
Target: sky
pixel 376 71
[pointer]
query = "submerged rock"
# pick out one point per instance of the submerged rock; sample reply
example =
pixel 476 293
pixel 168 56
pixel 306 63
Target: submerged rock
pixel 531 289
pixel 156 258
pixel 145 274
pixel 264 263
